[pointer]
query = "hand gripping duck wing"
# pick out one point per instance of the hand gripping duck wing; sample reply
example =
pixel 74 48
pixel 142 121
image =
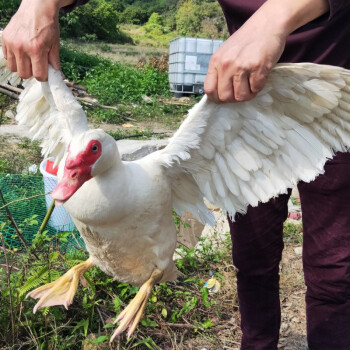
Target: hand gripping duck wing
pixel 114 229
pixel 232 154
pixel 240 154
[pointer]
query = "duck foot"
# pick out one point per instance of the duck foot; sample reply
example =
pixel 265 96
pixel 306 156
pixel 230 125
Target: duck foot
pixel 61 291
pixel 131 315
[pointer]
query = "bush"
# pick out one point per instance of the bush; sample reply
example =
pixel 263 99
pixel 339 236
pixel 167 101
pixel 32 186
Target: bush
pixel 98 17
pixel 76 64
pixel 113 83
pixel 154 24
pixel 187 22
pixel 134 15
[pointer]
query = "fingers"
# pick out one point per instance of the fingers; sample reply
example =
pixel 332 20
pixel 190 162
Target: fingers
pixel 4 50
pixel 11 62
pixel 232 88
pixel 24 66
pixel 257 80
pixel 241 87
pixel 210 84
pixel 54 56
pixel 40 66
pixel 35 65
pixel 31 39
pixel 229 81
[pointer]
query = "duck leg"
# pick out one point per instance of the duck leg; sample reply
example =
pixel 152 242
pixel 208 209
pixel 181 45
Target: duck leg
pixel 131 315
pixel 61 291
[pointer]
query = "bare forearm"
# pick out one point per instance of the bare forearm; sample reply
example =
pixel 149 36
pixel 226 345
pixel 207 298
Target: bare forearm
pixel 288 15
pixel 239 69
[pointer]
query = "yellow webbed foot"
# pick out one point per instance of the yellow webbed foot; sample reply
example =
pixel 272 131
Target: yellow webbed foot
pixel 61 291
pixel 131 315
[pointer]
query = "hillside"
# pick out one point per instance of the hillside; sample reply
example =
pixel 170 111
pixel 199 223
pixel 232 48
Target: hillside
pixel 157 21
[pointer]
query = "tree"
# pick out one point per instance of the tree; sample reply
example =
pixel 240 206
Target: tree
pixel 154 24
pixel 97 17
pixel 188 22
pixel 200 18
pixel 134 15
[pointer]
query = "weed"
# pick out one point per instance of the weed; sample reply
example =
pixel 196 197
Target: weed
pixel 292 233
pixel 16 157
pixel 114 83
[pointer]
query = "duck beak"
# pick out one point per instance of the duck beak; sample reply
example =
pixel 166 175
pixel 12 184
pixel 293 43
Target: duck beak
pixel 71 181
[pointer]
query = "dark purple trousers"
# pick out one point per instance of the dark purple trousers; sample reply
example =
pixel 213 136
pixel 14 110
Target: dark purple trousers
pixel 257 249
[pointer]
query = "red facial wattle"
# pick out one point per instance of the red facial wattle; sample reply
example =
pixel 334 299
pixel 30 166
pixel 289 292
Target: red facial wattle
pixel 77 171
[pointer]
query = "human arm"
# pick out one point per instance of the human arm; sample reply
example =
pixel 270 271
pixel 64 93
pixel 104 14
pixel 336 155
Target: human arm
pixel 31 40
pixel 239 69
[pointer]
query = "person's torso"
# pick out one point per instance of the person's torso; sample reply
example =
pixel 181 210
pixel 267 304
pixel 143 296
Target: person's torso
pixel 323 40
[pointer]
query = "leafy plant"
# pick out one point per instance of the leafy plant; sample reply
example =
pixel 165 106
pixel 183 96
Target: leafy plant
pixel 292 233
pixel 114 83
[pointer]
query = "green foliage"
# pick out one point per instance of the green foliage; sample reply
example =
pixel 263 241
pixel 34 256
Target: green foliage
pixel 98 18
pixel 105 22
pixel 17 160
pixel 56 328
pixel 203 19
pixel 187 22
pixel 134 15
pixel 6 165
pixel 76 64
pixel 154 24
pixel 113 83
pixel 292 233
pixel 7 10
pixel 101 19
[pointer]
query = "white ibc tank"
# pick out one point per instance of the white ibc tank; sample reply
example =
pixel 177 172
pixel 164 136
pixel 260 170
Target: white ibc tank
pixel 188 63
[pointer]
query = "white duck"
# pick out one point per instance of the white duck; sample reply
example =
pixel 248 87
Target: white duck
pixel 234 155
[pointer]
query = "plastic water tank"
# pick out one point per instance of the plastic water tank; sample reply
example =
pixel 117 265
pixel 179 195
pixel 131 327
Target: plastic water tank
pixel 188 63
pixel 60 219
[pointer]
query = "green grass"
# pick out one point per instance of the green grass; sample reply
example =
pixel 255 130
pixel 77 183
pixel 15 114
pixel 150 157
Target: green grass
pixel 89 319
pixel 110 82
pixel 113 83
pixel 122 86
pixel 16 157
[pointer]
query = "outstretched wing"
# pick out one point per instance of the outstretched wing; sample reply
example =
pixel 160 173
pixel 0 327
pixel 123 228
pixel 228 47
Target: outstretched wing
pixel 240 154
pixel 48 109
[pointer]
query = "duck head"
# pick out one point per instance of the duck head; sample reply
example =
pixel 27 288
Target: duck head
pixel 89 154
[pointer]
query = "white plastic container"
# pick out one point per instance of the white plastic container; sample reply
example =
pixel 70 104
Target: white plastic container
pixel 188 63
pixel 60 219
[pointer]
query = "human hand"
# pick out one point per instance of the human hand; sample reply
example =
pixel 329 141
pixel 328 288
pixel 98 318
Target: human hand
pixel 31 40
pixel 239 68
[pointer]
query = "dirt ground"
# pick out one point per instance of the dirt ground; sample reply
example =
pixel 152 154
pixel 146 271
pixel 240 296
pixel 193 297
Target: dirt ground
pixel 293 327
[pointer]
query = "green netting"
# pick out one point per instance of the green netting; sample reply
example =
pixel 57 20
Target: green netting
pixel 16 187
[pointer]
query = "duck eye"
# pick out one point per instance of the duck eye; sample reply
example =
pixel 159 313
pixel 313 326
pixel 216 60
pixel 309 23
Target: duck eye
pixel 94 148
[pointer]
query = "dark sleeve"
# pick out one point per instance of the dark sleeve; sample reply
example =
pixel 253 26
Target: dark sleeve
pixel 336 6
pixel 71 7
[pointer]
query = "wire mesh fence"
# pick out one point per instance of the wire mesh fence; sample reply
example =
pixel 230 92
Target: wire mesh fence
pixel 23 203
